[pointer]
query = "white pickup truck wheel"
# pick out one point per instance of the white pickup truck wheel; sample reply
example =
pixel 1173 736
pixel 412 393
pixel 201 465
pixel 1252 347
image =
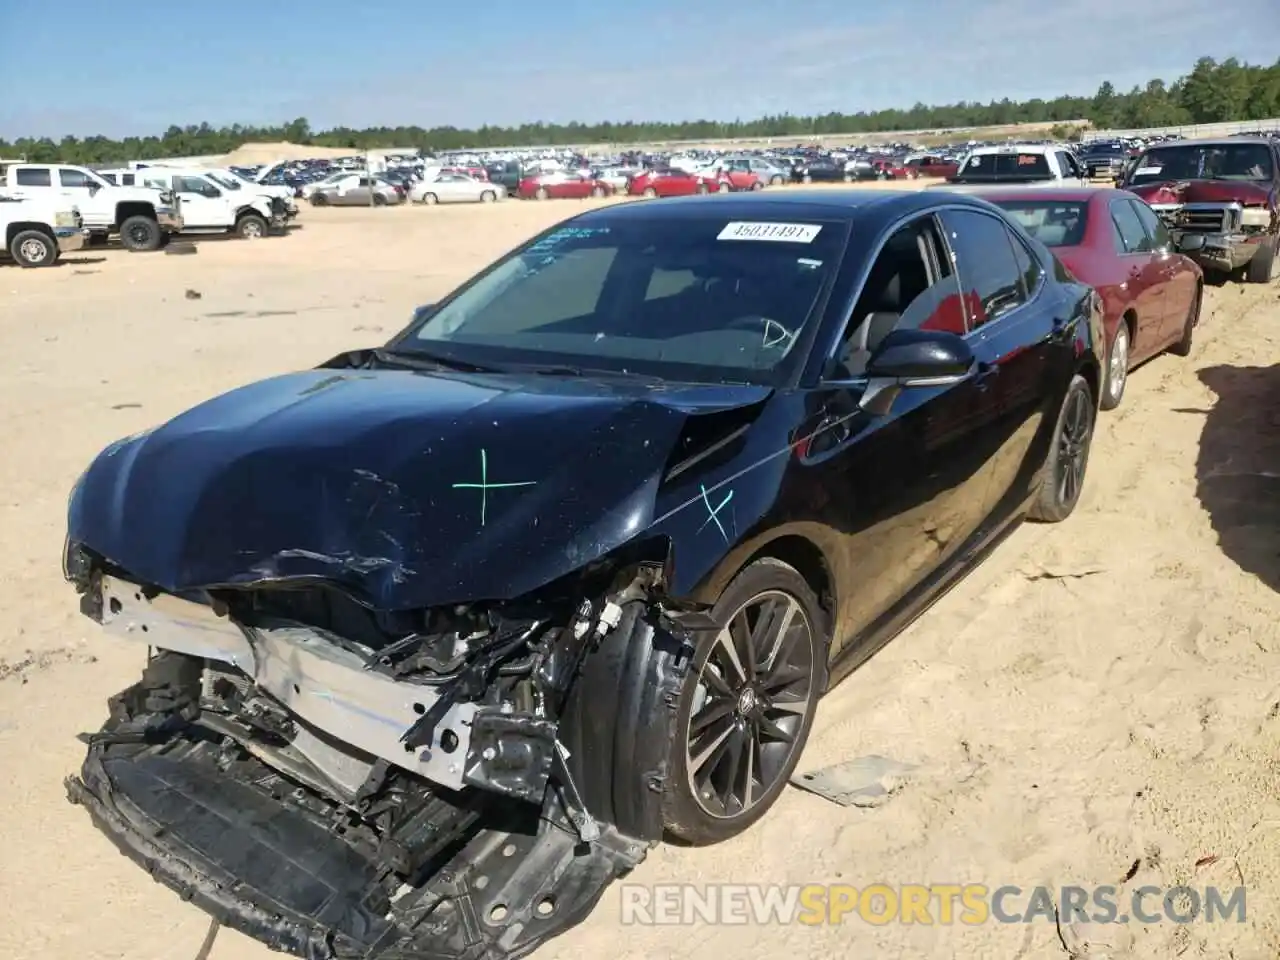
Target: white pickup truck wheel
pixel 250 226
pixel 34 248
pixel 141 233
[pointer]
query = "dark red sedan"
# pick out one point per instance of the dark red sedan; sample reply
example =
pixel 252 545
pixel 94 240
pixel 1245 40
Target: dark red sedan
pixel 561 186
pixel 1114 242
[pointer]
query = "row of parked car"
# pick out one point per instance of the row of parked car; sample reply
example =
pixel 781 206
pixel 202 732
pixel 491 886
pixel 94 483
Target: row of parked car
pixel 48 209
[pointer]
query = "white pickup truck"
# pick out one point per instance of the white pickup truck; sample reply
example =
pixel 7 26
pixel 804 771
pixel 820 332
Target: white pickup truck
pixel 39 230
pixel 143 218
pixel 215 203
pixel 1014 165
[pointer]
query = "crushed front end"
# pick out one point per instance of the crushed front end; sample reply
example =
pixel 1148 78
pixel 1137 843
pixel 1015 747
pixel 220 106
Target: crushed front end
pixel 340 782
pixel 1219 235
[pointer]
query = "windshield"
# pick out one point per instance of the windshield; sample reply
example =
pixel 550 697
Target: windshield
pixel 1006 164
pixel 699 298
pixel 225 181
pixel 1103 150
pixel 1217 161
pixel 1054 223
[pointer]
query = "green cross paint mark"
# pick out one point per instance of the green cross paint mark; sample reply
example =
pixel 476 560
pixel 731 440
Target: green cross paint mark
pixel 484 486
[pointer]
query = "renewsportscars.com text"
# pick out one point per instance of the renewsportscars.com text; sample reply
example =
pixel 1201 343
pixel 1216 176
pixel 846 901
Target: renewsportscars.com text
pixel 927 904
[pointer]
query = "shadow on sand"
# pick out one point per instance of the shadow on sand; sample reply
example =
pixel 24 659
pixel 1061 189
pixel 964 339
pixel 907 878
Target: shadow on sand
pixel 1238 468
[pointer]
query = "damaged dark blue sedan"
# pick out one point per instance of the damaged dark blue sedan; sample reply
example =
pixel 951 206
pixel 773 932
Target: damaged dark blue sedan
pixel 446 634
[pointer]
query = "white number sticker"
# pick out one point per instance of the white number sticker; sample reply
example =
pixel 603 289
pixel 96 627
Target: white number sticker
pixel 1147 171
pixel 784 232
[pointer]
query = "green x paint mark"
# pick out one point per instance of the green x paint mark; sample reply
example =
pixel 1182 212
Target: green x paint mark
pixel 484 486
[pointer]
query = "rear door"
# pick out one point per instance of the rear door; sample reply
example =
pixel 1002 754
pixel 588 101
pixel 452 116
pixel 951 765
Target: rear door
pixel 1146 275
pixel 1173 273
pixel 1012 331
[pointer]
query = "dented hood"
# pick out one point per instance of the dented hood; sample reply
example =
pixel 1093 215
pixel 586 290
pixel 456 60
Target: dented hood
pixel 411 489
pixel 1203 191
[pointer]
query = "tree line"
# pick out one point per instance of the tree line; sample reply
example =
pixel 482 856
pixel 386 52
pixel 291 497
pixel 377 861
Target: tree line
pixel 1212 92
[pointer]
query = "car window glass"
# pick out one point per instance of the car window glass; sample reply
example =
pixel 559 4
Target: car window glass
pixel 568 286
pixel 1156 230
pixel 988 271
pixel 1029 267
pixel 191 185
pixel 1133 236
pixel 33 177
pixel 75 178
pixel 898 294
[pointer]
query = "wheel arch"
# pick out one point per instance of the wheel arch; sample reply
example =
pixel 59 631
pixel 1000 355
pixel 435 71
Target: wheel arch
pixel 22 226
pixel 134 208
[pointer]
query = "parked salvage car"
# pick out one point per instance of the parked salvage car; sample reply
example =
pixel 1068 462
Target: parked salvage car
pixel 825 170
pixel 1220 199
pixel 447 633
pixel 931 165
pixel 457 188
pixel 673 182
pixel 356 190
pixel 1111 240
pixel 561 185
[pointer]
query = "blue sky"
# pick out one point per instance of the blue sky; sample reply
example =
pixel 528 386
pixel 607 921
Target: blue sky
pixel 93 66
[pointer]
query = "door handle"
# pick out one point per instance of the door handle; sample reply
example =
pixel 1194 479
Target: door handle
pixel 984 373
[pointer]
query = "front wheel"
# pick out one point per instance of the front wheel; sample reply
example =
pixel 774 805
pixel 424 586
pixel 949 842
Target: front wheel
pixel 747 705
pixel 34 248
pixel 541 193
pixel 1265 265
pixel 430 199
pixel 776 180
pixel 650 192
pixel 319 200
pixel 1117 368
pixel 724 187
pixel 379 200
pixel 251 227
pixel 1068 456
pixel 488 196
pixel 141 233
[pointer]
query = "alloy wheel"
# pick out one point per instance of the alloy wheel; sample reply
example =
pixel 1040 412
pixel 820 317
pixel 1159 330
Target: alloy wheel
pixel 1118 368
pixel 751 698
pixel 1073 447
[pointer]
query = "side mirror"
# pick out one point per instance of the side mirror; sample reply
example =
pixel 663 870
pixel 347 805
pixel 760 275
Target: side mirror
pixel 213 192
pixel 921 358
pixel 1191 242
pixel 422 312
pixel 94 187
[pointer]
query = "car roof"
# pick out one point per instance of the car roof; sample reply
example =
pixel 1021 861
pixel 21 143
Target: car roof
pixel 1062 194
pixel 874 208
pixel 1215 142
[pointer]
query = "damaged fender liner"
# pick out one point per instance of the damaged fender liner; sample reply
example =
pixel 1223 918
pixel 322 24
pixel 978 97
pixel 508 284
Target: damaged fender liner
pixel 267 870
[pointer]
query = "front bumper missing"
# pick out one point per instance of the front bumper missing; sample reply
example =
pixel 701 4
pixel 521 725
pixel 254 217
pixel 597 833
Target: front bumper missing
pixel 269 870
pixel 1221 251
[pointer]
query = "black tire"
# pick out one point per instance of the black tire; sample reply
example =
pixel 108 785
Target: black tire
pixel 319 200
pixel 776 180
pixel 141 233
pixel 488 196
pixel 1265 265
pixel 430 199
pixel 1117 374
pixel 250 226
pixel 689 813
pixel 34 248
pixel 1183 347
pixel 1068 457
pixel 757 185
pixel 379 200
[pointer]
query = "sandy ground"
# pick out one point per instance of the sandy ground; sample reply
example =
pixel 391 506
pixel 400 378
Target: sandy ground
pixel 1102 698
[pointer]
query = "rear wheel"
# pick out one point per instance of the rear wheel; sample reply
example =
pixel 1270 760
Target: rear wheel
pixel 597 192
pixel 140 233
pixel 541 193
pixel 1117 368
pixel 319 200
pixel 1265 265
pixel 379 200
pixel 430 199
pixel 34 248
pixel 747 706
pixel 650 192
pixel 1183 347
pixel 757 185
pixel 1068 457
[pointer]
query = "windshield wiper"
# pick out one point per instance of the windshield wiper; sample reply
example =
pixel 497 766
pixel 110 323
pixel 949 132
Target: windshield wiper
pixel 423 360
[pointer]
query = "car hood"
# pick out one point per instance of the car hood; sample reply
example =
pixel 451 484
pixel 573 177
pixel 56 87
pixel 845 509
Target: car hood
pixel 410 489
pixel 1202 191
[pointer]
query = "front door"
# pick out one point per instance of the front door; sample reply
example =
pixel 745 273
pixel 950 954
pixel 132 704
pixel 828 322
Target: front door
pixel 906 480
pixel 1179 282
pixel 201 210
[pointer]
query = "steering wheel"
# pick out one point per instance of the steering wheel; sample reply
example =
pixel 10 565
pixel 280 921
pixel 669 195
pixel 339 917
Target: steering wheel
pixel 773 333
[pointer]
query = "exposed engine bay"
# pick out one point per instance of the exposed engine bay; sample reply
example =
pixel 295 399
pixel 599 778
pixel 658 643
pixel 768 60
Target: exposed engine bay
pixel 340 783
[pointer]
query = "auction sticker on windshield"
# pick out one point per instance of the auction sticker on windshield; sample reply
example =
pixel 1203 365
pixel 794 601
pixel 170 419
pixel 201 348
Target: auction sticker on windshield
pixel 785 232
